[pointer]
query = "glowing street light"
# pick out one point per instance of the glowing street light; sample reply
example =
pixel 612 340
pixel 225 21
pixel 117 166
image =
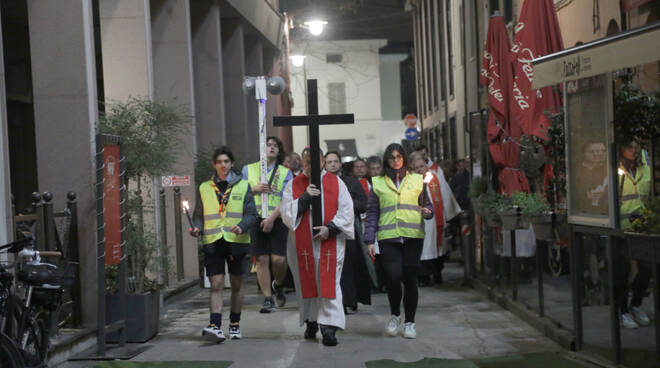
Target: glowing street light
pixel 297 60
pixel 316 26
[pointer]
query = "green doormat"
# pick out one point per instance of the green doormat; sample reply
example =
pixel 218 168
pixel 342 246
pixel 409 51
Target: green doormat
pixel 545 360
pixel 172 364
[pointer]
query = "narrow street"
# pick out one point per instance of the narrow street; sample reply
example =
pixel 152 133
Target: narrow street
pixel 452 323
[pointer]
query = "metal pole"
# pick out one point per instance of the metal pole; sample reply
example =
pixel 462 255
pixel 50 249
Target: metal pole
pixel 540 249
pixel 123 224
pixel 615 300
pixel 38 207
pixel 656 306
pixel 49 230
pixel 575 248
pixel 178 233
pixel 163 238
pixel 514 265
pixel 100 251
pixel 260 93
pixel 73 256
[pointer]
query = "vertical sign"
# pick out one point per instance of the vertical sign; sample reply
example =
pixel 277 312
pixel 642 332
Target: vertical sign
pixel 112 203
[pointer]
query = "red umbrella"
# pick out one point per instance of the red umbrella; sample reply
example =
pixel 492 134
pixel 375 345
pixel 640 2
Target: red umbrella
pixel 537 34
pixel 503 133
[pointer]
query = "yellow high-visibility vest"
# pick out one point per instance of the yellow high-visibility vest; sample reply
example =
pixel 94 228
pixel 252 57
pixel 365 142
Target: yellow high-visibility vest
pixel 217 224
pixel 274 198
pixel 399 209
pixel 634 191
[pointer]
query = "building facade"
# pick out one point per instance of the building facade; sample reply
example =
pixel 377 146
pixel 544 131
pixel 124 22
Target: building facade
pixel 65 60
pixel 450 35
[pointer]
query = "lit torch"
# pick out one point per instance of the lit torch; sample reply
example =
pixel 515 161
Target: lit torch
pixel 186 209
pixel 427 179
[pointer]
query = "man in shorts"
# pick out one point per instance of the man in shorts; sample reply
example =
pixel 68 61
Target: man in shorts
pixel 224 214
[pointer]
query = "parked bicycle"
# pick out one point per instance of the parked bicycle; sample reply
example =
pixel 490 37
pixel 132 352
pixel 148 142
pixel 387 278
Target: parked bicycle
pixel 26 308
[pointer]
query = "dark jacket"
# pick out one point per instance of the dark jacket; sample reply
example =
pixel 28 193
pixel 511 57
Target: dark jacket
pixel 357 194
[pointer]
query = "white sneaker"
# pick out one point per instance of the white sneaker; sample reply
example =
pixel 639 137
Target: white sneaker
pixel 628 321
pixel 213 333
pixel 235 332
pixel 393 325
pixel 409 330
pixel 640 316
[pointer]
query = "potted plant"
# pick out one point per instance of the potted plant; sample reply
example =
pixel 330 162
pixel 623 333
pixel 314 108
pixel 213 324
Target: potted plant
pixel 644 232
pixel 150 132
pixel 536 209
pixel 510 211
pixel 488 204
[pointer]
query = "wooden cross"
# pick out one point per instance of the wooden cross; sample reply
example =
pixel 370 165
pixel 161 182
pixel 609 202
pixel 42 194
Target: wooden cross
pixel 313 120
pixel 305 254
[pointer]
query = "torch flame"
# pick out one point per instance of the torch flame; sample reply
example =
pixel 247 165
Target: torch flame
pixel 428 177
pixel 185 205
pixel 621 172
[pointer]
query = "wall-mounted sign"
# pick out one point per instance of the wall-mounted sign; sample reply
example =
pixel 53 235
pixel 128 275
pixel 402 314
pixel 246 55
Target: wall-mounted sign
pixel 175 180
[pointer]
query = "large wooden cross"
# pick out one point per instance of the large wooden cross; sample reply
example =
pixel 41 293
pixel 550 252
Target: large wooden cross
pixel 313 120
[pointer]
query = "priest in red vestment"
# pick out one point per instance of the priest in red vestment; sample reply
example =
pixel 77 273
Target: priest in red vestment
pixel 316 260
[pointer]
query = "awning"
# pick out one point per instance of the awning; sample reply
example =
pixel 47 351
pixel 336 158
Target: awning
pixel 627 49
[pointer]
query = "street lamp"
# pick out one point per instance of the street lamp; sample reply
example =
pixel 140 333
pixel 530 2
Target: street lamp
pixel 297 60
pixel 316 26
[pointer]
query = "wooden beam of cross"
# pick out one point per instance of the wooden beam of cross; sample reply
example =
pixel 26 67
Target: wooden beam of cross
pixel 313 120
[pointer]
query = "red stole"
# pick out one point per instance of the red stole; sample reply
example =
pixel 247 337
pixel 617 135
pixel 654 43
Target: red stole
pixel 434 167
pixel 304 249
pixel 438 206
pixel 365 186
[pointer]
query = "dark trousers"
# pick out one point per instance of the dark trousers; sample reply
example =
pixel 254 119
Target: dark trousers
pixel 401 263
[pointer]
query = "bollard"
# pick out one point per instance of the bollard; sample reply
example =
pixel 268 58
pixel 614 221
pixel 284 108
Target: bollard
pixel 163 239
pixel 178 234
pixel 38 208
pixel 49 222
pixel 514 259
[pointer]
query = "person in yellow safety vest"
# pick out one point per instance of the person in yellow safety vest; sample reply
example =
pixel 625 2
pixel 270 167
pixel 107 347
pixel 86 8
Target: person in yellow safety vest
pixel 395 219
pixel 269 239
pixel 223 216
pixel 634 174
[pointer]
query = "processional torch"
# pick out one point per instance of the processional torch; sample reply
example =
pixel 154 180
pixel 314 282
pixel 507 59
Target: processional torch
pixel 427 179
pixel 186 209
pixel 275 86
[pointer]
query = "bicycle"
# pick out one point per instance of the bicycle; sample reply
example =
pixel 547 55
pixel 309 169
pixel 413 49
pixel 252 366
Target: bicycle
pixel 24 320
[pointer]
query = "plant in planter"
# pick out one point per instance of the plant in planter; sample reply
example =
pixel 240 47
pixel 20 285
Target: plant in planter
pixel 537 210
pixel 510 211
pixel 150 132
pixel 487 205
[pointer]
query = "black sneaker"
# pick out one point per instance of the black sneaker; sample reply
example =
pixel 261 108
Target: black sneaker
pixel 268 306
pixel 311 330
pixel 329 338
pixel 280 298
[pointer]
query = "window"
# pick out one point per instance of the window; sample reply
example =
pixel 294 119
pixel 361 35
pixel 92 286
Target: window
pixel 334 58
pixel 433 10
pixel 441 33
pixel 428 29
pixel 337 98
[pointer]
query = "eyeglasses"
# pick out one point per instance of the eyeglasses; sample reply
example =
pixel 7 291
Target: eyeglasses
pixel 396 158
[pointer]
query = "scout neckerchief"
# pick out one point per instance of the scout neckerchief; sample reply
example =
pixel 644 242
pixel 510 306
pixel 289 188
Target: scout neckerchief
pixel 223 199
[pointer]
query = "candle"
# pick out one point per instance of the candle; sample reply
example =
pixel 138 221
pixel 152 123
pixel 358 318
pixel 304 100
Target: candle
pixel 185 207
pixel 427 179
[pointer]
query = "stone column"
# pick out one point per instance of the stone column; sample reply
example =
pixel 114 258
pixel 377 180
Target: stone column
pixel 65 112
pixel 5 183
pixel 173 82
pixel 207 73
pixel 254 66
pixel 233 68
pixel 126 45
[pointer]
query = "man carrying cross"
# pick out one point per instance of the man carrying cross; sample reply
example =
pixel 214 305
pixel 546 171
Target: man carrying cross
pixel 316 260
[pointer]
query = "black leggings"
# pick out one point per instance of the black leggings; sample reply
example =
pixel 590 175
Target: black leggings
pixel 401 263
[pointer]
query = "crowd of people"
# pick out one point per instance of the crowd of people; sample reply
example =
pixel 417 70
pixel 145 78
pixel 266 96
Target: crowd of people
pixel 388 225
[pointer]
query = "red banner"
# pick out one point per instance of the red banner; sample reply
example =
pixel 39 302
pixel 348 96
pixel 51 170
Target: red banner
pixel 111 204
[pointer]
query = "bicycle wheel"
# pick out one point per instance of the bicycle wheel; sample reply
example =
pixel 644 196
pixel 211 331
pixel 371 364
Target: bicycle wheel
pixel 32 342
pixel 10 356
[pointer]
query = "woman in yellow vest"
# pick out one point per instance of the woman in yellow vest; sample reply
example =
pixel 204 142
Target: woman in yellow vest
pixel 224 214
pixel 395 219
pixel 634 189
